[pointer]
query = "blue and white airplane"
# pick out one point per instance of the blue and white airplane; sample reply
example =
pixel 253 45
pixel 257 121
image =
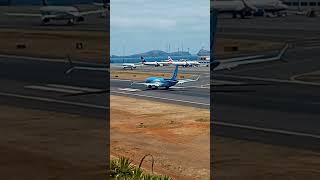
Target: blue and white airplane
pixel 160 82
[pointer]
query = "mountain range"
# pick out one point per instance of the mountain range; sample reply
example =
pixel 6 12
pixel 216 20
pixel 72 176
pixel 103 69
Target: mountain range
pixel 156 53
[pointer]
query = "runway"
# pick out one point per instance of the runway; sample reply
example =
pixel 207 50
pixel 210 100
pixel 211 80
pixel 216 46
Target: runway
pixel 44 85
pixel 191 95
pixel 281 111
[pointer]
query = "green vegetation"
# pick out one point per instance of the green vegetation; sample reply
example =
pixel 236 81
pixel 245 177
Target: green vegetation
pixel 123 169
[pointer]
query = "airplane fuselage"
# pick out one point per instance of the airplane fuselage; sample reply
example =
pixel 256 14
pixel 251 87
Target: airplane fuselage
pixel 60 13
pixel 128 66
pixel 269 5
pixel 161 82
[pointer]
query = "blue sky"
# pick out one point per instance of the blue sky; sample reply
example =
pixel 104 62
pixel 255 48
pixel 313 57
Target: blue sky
pixel 142 25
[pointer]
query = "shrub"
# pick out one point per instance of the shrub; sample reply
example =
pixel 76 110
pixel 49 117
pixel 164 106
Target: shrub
pixel 123 169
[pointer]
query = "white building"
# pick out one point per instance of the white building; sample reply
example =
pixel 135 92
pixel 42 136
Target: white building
pixel 303 5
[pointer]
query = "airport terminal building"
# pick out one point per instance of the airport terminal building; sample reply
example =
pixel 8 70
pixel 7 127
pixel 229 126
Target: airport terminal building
pixel 303 5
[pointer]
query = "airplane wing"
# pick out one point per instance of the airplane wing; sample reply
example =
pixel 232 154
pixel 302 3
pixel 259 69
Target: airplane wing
pixel 93 12
pixel 234 62
pixel 182 81
pixel 87 68
pixel 157 84
pixel 22 14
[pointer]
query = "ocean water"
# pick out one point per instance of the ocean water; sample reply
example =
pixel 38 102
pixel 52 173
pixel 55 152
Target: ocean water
pixel 39 2
pixel 159 59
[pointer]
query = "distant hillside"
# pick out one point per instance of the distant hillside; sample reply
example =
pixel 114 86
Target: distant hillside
pixel 203 52
pixel 156 53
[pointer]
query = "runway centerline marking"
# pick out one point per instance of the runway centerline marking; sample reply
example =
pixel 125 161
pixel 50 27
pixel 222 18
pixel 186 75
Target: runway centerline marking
pixel 162 98
pixel 53 100
pixel 44 59
pixel 272 80
pixel 279 131
pixel 44 88
pixel 74 87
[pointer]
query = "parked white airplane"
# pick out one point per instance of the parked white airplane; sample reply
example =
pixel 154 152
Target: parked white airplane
pixel 129 66
pixel 268 6
pixel 184 63
pixel 233 7
pixel 154 63
pixel 57 12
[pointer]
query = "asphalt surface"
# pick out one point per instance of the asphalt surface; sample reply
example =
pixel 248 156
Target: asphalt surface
pixel 196 94
pixel 191 94
pixel 44 85
pixel 270 107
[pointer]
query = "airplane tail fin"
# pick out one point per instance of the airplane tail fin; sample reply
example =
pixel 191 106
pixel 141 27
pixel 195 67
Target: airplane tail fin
pixel 175 73
pixel 142 60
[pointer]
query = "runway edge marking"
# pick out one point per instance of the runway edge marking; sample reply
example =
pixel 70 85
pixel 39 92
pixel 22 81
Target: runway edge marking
pixel 55 89
pixel 53 100
pixel 279 131
pixel 87 89
pixel 272 80
pixel 161 98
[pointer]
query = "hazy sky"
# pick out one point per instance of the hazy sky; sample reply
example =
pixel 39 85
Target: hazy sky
pixel 142 25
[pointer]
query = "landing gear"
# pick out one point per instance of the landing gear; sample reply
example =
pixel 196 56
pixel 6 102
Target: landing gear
pixel 152 87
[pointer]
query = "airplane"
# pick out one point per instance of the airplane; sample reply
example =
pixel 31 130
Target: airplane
pixel 153 63
pixel 57 12
pixel 129 66
pixel 233 7
pixel 160 82
pixel 265 7
pixel 236 61
pixel 184 63
pixel 104 5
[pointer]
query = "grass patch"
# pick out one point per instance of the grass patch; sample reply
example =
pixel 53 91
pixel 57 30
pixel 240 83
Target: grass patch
pixel 245 46
pixel 123 169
